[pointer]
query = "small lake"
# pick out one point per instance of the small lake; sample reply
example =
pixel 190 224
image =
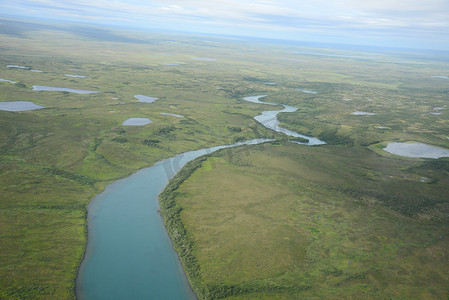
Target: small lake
pixel 439 76
pixel 17 67
pixel 19 106
pixel 269 120
pixel 362 113
pixel 136 122
pixel 75 76
pixel 416 150
pixel 268 82
pixel 61 89
pixel 171 64
pixel 145 99
pixel 129 254
pixel 6 80
pixel 307 91
pixel 22 67
pixel 174 115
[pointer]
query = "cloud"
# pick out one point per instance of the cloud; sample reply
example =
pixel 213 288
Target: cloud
pixel 344 17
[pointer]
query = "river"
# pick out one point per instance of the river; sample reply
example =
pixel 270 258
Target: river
pixel 129 254
pixel 269 119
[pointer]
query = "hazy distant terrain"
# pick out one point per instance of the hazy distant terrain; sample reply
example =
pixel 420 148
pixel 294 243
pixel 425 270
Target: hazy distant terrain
pixel 275 221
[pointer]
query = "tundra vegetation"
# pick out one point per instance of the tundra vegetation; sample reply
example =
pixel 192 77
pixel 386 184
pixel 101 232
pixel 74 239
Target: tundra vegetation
pixel 272 221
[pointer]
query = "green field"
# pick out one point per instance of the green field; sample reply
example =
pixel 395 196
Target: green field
pixel 293 222
pixel 55 160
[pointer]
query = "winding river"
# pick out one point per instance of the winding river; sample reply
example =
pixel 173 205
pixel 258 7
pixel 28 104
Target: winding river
pixel 129 254
pixel 269 119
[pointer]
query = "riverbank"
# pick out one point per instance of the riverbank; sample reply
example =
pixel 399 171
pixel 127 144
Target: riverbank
pixel 171 212
pixel 128 247
pixel 53 161
pixel 262 233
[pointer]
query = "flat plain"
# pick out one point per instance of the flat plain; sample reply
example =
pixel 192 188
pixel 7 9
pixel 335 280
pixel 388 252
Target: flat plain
pixel 345 219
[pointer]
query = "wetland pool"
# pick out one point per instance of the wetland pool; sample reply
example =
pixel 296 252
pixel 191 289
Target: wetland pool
pixel 137 122
pixel 145 99
pixel 173 115
pixel 307 91
pixel 362 113
pixel 61 89
pixel 6 80
pixel 19 106
pixel 416 150
pixel 75 76
pixel 17 67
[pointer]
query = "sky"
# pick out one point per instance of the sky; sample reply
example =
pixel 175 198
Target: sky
pixel 392 23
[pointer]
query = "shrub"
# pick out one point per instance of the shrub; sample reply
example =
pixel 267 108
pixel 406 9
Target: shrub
pixel 150 142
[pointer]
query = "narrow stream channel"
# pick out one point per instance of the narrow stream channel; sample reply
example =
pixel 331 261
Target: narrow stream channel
pixel 269 119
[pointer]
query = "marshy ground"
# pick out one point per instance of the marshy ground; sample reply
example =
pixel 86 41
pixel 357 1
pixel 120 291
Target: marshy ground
pixel 346 218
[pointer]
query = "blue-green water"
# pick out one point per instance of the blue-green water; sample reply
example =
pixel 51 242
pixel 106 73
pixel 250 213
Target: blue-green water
pixel 269 119
pixel 129 254
pixel 61 89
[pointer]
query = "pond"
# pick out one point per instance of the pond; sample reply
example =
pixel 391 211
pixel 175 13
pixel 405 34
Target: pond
pixel 145 99
pixel 17 67
pixel 6 80
pixel 362 113
pixel 22 67
pixel 61 89
pixel 416 150
pixel 174 115
pixel 19 106
pixel 136 122
pixel 307 91
pixel 76 76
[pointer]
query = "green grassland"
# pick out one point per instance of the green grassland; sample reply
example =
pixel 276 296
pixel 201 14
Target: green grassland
pixel 292 222
pixel 55 160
